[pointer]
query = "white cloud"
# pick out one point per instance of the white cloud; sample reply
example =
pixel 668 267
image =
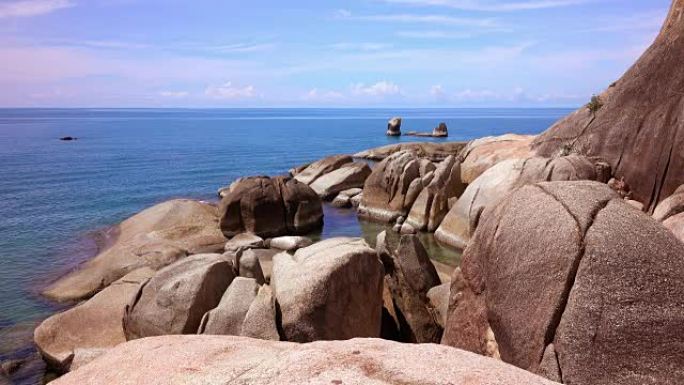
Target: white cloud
pixel 27 8
pixel 432 34
pixel 379 89
pixel 229 91
pixel 316 95
pixel 174 94
pixel 492 6
pixel 437 91
pixel 409 18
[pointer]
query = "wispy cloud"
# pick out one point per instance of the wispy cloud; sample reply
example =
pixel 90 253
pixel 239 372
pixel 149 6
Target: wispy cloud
pixel 231 92
pixel 433 34
pixel 379 89
pixel 409 18
pixel 27 8
pixel 174 94
pixel 492 6
pixel 363 46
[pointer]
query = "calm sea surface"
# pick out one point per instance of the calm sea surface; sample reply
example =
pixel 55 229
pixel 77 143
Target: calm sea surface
pixel 54 194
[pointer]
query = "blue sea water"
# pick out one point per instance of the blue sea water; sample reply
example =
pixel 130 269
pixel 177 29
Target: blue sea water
pixel 53 194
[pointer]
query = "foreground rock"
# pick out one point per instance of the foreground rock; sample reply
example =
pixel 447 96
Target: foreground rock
pixel 435 152
pixel 575 284
pixel 235 360
pixel 482 154
pixel 228 316
pixel 394 127
pixel 270 207
pixel 675 224
pixel 330 290
pixel 74 337
pixel 634 124
pixel 350 175
pixel 154 238
pixel 463 218
pixel 177 297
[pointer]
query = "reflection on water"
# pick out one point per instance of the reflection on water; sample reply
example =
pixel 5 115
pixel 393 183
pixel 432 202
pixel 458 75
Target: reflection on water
pixel 344 223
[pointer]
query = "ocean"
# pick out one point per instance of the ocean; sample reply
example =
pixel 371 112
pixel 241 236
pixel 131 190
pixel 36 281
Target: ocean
pixel 55 195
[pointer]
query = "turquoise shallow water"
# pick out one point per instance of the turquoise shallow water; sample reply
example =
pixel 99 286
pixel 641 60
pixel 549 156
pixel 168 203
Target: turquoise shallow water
pixel 53 194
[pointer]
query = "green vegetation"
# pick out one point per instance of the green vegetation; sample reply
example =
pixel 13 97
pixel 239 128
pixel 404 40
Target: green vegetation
pixel 595 104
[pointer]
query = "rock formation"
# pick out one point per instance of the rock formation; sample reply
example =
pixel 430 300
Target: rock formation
pixel 482 154
pixel 670 206
pixel 636 124
pixel 350 175
pixel 394 127
pixel 330 290
pixel 435 152
pixel 575 284
pixel 440 131
pixel 228 316
pixel 241 361
pixel 315 170
pixel 270 207
pixel 155 237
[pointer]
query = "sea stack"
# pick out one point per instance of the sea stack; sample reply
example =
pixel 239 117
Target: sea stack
pixel 635 125
pixel 440 131
pixel 394 127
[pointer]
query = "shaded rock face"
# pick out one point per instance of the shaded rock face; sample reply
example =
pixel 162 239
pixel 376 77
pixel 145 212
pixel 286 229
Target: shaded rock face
pixel 177 297
pixel 270 207
pixel 321 167
pixel 435 152
pixel 330 290
pixel 638 128
pixel 571 264
pixel 350 175
pixel 235 360
pixel 460 222
pixel 432 204
pixel 440 131
pixel 74 337
pixel 386 189
pixel 155 237
pixel 228 316
pixel 482 154
pixel 670 206
pixel 409 276
pixel 394 127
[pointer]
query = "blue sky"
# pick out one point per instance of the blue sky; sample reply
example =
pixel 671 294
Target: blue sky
pixel 358 53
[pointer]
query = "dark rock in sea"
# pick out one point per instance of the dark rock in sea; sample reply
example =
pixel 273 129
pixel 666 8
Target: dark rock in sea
pixel 440 131
pixel 394 127
pixel 68 138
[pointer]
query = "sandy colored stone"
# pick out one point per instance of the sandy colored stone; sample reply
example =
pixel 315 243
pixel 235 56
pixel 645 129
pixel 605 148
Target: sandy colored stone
pixel 321 167
pixel 228 316
pixel 350 175
pixel 670 206
pixel 482 154
pixel 435 152
pixel 260 320
pixel 675 224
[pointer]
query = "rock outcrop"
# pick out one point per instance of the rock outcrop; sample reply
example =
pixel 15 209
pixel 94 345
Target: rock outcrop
pixel 435 152
pixel 462 219
pixel 441 131
pixel 177 297
pixel 260 320
pixel 76 336
pixel 394 127
pixel 482 154
pixel 675 224
pixel 575 284
pixel 330 290
pixel 236 360
pixel 270 207
pixel 350 175
pixel 636 124
pixel 155 237
pixel 315 170
pixel 228 316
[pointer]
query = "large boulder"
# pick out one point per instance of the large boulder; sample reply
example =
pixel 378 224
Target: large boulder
pixel 670 206
pixel 435 152
pixel 330 290
pixel 176 298
pixel 321 167
pixel 394 127
pixel 482 154
pixel 636 124
pixel 155 237
pixel 260 320
pixel 409 276
pixel 241 361
pixel 675 224
pixel 432 204
pixel 72 338
pixel 386 189
pixel 350 175
pixel 462 219
pixel 574 282
pixel 228 316
pixel 270 207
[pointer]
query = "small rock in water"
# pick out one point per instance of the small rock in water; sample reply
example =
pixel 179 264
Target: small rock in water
pixel 68 138
pixel 341 201
pixel 440 131
pixel 394 127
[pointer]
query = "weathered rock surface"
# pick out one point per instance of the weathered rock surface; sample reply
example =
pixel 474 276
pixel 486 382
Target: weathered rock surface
pixel 462 219
pixel 260 320
pixel 321 167
pixel 330 290
pixel 350 175
pixel 435 152
pixel 270 207
pixel 409 276
pixel 440 131
pixel 432 203
pixel 72 338
pixel 394 127
pixel 289 243
pixel 439 299
pixel 675 224
pixel 155 237
pixel 250 267
pixel 341 202
pixel 672 205
pixel 571 264
pixel 244 241
pixel 636 124
pixel 241 361
pixel 386 189
pixel 176 298
pixel 228 316
pixel 482 154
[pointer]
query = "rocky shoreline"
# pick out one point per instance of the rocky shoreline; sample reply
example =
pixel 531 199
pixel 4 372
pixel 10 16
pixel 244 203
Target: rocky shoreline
pixel 572 269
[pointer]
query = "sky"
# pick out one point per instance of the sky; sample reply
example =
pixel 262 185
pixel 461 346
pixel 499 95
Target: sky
pixel 316 53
